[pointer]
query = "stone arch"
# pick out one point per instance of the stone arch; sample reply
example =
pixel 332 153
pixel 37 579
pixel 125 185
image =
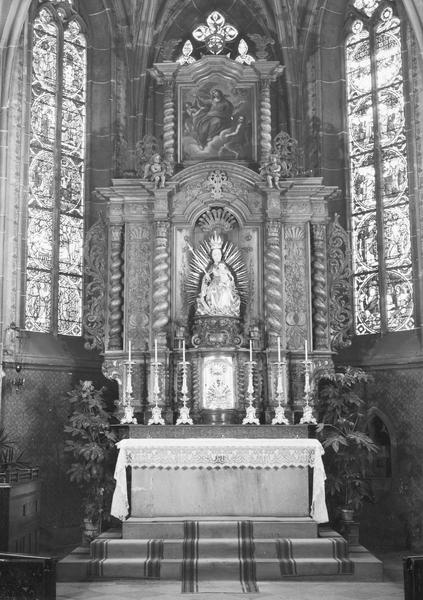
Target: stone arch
pixel 230 186
pixel 382 431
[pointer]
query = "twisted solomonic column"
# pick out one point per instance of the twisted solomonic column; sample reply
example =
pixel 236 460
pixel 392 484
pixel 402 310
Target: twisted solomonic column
pixel 169 125
pixel 319 289
pixel 265 121
pixel 273 280
pixel 115 320
pixel 161 278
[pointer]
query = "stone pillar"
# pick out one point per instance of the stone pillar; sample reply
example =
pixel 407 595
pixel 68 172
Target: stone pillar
pixel 169 125
pixel 164 74
pixel 273 282
pixel 265 121
pixel 161 309
pixel 319 288
pixel 115 289
pixel 161 282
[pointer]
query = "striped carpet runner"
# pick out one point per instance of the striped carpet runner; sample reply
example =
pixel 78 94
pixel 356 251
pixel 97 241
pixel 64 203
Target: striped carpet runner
pixel 223 553
pixel 154 557
pixel 290 567
pixel 190 557
pixel 190 562
pixel 247 565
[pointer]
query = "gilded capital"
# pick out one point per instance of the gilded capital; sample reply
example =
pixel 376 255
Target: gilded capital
pixel 273 228
pixel 162 228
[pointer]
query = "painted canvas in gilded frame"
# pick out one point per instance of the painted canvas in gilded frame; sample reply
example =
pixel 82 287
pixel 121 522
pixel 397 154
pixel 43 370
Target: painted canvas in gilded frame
pixel 217 121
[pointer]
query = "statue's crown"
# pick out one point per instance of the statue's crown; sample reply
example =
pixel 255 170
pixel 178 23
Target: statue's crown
pixel 216 241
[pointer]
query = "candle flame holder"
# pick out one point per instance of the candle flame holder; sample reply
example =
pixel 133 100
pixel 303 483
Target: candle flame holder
pixel 250 418
pixel 308 417
pixel 184 418
pixel 128 410
pixel 280 417
pixel 156 411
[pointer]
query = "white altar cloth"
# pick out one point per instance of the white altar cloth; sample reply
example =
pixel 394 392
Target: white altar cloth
pixel 220 453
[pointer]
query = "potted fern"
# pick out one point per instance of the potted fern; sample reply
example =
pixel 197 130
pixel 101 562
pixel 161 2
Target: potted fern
pixel 91 446
pixel 349 451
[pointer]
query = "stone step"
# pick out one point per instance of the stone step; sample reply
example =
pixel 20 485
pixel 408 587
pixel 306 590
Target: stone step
pixel 217 548
pixel 213 568
pixel 78 566
pixel 288 527
pixel 266 555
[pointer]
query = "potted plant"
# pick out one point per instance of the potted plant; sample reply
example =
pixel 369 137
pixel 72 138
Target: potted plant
pixel 349 450
pixel 91 445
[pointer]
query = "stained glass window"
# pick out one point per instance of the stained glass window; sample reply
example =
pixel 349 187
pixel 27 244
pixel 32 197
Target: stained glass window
pixel 56 172
pixel 382 257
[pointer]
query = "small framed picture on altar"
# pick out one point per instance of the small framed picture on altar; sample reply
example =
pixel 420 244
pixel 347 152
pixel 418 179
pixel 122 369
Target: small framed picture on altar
pixel 218 383
pixel 217 121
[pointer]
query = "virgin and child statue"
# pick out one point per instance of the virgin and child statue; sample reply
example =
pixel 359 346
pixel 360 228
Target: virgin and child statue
pixel 218 295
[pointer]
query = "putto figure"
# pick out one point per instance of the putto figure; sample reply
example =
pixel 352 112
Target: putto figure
pixel 156 170
pixel 218 295
pixel 273 170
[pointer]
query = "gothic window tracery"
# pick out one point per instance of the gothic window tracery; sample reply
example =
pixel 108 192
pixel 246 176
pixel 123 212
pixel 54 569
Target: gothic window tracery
pixel 56 172
pixel 380 219
pixel 217 37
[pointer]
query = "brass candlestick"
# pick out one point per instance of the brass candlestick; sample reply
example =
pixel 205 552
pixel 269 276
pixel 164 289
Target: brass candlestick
pixel 184 418
pixel 156 411
pixel 250 418
pixel 280 418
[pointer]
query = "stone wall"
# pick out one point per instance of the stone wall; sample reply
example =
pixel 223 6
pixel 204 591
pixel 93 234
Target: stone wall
pixel 396 519
pixel 34 417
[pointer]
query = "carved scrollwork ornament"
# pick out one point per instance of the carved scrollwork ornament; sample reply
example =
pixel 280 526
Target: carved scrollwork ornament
pixel 94 310
pixel 261 42
pixel 289 155
pixel 168 49
pixel 339 285
pixel 216 332
pixel 113 369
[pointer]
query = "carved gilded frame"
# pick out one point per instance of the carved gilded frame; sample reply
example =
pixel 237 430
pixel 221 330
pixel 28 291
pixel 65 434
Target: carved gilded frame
pixel 211 128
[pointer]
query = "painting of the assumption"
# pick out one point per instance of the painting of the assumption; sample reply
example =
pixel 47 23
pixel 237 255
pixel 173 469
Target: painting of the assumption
pixel 217 122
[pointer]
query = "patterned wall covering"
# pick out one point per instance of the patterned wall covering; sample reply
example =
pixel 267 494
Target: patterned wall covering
pixel 34 418
pixel 397 517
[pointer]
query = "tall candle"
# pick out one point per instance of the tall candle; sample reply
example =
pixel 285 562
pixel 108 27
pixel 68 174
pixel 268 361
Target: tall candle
pixel 279 349
pixel 155 350
pixel 183 350
pixel 305 350
pixel 251 350
pixel 129 351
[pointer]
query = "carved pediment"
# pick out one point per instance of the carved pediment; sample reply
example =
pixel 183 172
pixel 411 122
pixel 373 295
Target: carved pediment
pixel 217 102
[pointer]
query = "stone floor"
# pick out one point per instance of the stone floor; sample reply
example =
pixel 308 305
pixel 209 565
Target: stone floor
pixel 390 589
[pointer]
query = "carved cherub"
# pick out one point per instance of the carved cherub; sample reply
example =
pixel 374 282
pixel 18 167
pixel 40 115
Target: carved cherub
pixel 272 171
pixel 156 170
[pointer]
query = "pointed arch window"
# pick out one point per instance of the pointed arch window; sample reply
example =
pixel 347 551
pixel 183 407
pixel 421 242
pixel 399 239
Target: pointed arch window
pixel 380 216
pixel 56 172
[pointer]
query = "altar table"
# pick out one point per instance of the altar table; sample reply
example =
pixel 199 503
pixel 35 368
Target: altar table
pixel 220 477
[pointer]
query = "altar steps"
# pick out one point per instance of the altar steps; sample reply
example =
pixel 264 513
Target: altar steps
pixel 224 550
pixel 264 527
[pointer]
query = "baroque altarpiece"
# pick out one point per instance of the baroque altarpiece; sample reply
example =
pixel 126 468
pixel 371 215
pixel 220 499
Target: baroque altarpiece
pixel 218 255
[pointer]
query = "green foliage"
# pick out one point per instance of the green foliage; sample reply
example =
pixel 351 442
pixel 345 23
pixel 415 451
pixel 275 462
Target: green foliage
pixel 349 451
pixel 91 446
